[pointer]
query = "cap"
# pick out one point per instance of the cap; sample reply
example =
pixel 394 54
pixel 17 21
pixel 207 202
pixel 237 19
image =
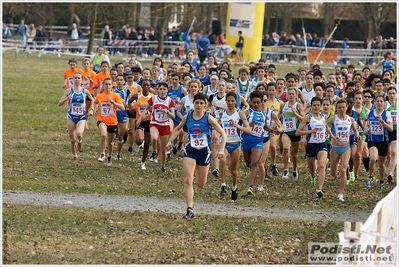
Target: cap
pixel 129 74
pixel 200 96
pixel 214 77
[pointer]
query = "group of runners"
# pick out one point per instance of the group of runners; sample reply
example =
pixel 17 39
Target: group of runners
pixel 210 117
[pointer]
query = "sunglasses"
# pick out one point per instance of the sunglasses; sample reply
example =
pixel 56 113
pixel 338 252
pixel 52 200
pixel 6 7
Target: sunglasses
pixel 367 96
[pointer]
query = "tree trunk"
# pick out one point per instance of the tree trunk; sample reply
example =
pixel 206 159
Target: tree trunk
pixel 328 21
pixel 163 26
pixel 92 30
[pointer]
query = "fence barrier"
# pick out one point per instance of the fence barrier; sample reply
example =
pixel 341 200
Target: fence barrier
pixel 379 230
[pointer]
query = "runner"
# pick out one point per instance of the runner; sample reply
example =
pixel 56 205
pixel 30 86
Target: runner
pixel 233 122
pixel 360 111
pixel 76 97
pixel 340 149
pixel 316 149
pixel 292 113
pixel 378 122
pixel 121 114
pixel 217 104
pixel 163 108
pixel 142 132
pixel 252 144
pixel 391 107
pixel 197 154
pixel 107 104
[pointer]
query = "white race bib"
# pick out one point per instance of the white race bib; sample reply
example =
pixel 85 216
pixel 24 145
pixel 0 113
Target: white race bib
pixel 77 109
pixel 107 110
pixel 289 124
pixel 376 128
pixel 198 141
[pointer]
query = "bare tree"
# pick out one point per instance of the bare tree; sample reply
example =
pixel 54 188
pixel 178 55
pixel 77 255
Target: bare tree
pixel 376 15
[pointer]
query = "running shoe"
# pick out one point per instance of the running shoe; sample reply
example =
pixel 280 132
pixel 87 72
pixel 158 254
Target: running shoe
pixel 75 159
pixel 102 157
pixel 261 188
pixel 250 190
pixel 319 193
pixel 234 195
pixel 168 156
pixel 274 170
pixel 109 161
pixel 80 147
pixel 142 166
pixel 347 180
pixel 142 145
pixel 389 178
pixel 312 180
pixel 163 169
pixel 136 148
pixel 130 149
pixel 370 181
pixel 189 214
pixel 153 154
pixel 174 150
pixel 118 157
pixel 216 172
pixel 382 185
pixel 285 174
pixel 179 146
pixel 352 176
pixel 295 175
pixel 341 197
pixel 223 191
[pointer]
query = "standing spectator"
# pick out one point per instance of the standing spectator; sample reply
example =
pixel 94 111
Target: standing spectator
pixel 40 35
pixel 21 29
pixel 106 37
pixel 6 31
pixel 167 51
pixel 391 45
pixel 153 39
pixel 188 38
pixel 344 47
pixel 299 42
pixel 240 46
pixel 74 34
pixel 292 42
pixel 30 35
pixel 282 42
pixel 220 38
pixel 202 46
pixel 315 40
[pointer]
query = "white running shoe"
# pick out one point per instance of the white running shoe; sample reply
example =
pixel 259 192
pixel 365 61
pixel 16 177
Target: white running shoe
pixel 260 188
pixel 142 166
pixel 341 197
pixel 102 157
pixel 136 148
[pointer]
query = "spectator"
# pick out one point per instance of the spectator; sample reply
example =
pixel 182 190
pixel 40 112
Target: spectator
pixel 106 37
pixel 276 38
pixel 202 46
pixel 220 38
pixel 40 35
pixel 6 31
pixel 21 30
pixel 283 41
pixel 74 34
pixel 330 43
pixel 391 45
pixel 30 35
pixel 315 41
pixel 300 43
pixel 240 46
pixel 344 47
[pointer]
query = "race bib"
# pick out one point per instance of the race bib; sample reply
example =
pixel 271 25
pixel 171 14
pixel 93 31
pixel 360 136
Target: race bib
pixel 376 128
pixel 160 116
pixel 230 131
pixel 141 109
pixel 70 79
pixel 107 110
pixel 257 129
pixel 77 109
pixel 393 115
pixel 289 124
pixel 198 141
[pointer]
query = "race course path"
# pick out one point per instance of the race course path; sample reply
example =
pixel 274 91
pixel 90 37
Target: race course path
pixel 134 203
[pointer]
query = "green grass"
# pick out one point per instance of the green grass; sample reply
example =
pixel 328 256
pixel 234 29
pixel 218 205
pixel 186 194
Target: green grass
pixel 47 235
pixel 37 157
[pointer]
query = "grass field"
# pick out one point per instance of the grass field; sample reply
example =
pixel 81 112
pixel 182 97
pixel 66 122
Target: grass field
pixel 37 157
